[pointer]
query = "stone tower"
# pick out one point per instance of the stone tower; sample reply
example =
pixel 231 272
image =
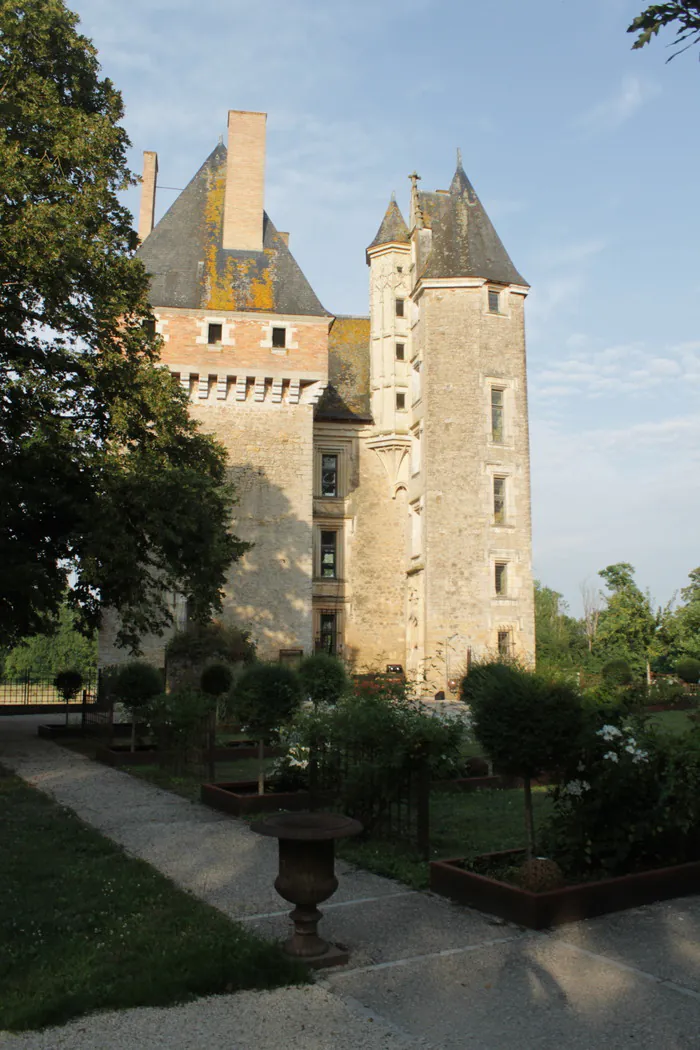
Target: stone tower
pixel 469 578
pixel 380 463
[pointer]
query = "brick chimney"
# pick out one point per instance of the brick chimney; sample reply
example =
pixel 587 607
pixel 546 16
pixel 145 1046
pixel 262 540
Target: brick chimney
pixel 245 181
pixel 148 193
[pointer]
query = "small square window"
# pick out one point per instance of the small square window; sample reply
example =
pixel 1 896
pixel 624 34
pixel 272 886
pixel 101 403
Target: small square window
pixel 399 308
pixel 494 301
pixel 279 338
pixel 329 474
pixel 399 269
pixel 400 402
pixel 149 328
pixel 400 351
pixel 499 501
pixel 215 333
pixel 500 577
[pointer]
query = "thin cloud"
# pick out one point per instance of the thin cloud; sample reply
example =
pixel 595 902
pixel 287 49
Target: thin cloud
pixel 619 107
pixel 623 369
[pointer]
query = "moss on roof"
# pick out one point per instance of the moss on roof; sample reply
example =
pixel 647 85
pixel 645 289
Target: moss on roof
pixel 347 394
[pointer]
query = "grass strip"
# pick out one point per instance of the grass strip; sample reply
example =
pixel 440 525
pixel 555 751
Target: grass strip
pixel 84 927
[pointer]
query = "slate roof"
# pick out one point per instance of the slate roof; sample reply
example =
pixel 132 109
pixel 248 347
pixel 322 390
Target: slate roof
pixel 190 269
pixel 346 397
pixel 465 243
pixel 393 227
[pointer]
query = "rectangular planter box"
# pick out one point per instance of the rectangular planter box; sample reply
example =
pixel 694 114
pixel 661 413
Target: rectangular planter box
pixel 148 756
pixel 241 798
pixel 539 911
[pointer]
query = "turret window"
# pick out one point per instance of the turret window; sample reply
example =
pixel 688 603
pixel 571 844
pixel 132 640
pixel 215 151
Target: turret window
pixel 329 474
pixel 500 578
pixel 400 402
pixel 497 412
pixel 400 351
pixel 329 554
pixel 499 501
pixel 494 301
pixel 400 308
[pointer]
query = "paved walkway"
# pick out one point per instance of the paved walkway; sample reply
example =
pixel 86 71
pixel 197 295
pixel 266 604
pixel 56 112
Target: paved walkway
pixel 422 973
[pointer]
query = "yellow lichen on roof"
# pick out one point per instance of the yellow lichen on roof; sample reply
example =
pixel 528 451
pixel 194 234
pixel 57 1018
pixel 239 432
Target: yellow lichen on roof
pixel 218 288
pixel 262 291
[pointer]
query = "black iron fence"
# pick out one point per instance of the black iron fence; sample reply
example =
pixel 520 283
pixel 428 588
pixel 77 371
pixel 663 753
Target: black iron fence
pixel 35 690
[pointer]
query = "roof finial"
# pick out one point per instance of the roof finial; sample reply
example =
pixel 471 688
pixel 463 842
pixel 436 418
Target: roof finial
pixel 393 196
pixel 459 158
pixel 415 178
pixel 221 140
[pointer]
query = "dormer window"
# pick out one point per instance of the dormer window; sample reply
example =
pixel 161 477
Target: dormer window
pixel 214 334
pixel 279 338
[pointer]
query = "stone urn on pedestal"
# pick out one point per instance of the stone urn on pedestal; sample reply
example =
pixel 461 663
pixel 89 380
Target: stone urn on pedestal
pixel 307 876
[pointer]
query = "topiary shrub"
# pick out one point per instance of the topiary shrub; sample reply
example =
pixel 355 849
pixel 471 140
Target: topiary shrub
pixel 68 684
pixel 616 673
pixel 263 699
pixel 216 679
pixel 688 669
pixel 323 678
pixel 526 724
pixel 135 684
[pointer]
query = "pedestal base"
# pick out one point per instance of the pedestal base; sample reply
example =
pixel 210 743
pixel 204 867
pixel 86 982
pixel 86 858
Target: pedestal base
pixel 335 955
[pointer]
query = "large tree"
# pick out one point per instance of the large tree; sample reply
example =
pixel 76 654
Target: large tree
pixel 559 638
pixel 107 489
pixel 684 14
pixel 628 627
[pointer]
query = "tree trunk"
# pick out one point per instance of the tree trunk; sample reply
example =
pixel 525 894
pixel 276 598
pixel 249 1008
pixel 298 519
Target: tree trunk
pixel 261 766
pixel 133 730
pixel 529 818
pixel 648 673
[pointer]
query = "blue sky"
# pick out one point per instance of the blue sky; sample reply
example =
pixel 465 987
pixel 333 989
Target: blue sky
pixel 585 155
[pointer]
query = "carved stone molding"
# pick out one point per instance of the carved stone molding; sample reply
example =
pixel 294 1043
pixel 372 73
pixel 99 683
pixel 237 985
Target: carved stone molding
pixel 394 451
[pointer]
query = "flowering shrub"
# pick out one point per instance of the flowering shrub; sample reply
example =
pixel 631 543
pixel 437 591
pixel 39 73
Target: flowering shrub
pixel 631 800
pixel 366 746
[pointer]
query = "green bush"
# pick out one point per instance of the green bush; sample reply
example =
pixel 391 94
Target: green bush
pixel 616 672
pixel 188 652
pixel 688 669
pixel 216 679
pixel 264 699
pixel 323 678
pixel 630 801
pixel 526 724
pixel 134 684
pixel 180 723
pixel 367 745
pixel 68 683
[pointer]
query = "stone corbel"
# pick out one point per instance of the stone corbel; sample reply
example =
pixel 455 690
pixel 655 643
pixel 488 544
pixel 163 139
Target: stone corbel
pixel 394 453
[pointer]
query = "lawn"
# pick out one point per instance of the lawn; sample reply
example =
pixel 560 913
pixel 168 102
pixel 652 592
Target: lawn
pixel 461 824
pixel 674 722
pixel 84 927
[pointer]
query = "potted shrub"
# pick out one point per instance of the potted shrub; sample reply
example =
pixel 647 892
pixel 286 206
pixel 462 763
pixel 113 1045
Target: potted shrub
pixel 135 684
pixel 526 724
pixel 68 684
pixel 263 699
pixel 215 681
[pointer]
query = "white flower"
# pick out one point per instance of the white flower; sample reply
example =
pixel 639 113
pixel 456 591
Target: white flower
pixel 640 756
pixel 576 787
pixel 611 755
pixel 581 766
pixel 609 733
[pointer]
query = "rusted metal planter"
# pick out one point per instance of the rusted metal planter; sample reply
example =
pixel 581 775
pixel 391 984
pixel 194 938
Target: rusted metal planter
pixel 307 876
pixel 585 900
pixel 240 798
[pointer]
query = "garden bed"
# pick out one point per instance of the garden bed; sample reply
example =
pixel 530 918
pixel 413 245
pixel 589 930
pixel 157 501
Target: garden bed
pixel 489 783
pixel 242 798
pixel 676 705
pixel 148 754
pixel 54 731
pixel 584 900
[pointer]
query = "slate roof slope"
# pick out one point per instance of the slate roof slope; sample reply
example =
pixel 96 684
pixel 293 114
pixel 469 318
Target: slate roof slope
pixel 190 269
pixel 393 227
pixel 465 243
pixel 346 397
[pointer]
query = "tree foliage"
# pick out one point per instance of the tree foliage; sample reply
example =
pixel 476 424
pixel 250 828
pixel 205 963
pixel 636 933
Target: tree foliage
pixel 559 638
pixel 684 14
pixel 323 678
pixel 628 625
pixel 43 655
pixel 107 490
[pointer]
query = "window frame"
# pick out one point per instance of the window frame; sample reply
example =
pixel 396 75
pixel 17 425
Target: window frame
pixel 504 641
pixel 500 578
pixel 500 512
pixel 399 306
pixel 400 394
pixel 498 434
pixel 336 470
pixel 494 295
pixel 213 325
pixel 274 335
pixel 400 351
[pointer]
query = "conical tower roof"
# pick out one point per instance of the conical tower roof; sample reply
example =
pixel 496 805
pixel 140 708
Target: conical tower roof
pixel 189 267
pixel 393 228
pixel 465 243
